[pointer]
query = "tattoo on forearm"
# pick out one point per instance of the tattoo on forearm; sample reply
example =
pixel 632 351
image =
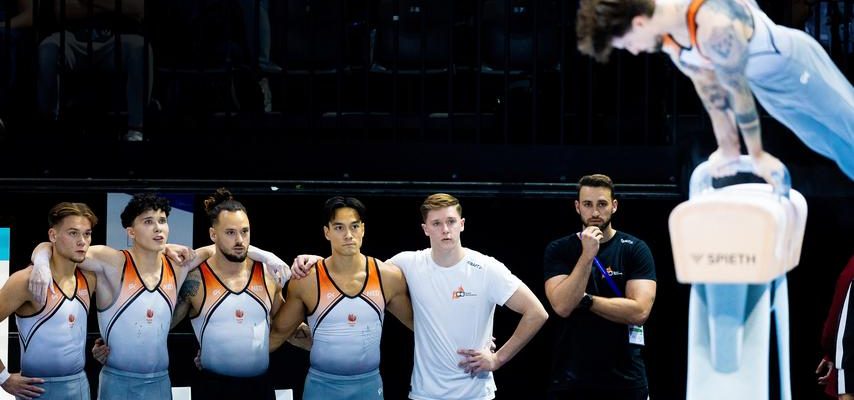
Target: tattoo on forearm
pixel 188 289
pixel 715 97
pixel 735 82
pixel 748 122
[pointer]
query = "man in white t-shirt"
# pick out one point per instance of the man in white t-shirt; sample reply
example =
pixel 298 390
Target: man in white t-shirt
pixel 454 292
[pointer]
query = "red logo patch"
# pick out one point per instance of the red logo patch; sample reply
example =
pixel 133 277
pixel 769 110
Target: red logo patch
pixel 238 315
pixel 460 293
pixel 351 319
pixel 149 315
pixel 71 319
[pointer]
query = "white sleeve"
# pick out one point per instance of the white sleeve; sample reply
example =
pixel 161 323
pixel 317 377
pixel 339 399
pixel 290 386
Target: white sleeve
pixel 502 282
pixel 404 260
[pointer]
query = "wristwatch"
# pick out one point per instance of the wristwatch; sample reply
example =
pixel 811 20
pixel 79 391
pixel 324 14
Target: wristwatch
pixel 586 302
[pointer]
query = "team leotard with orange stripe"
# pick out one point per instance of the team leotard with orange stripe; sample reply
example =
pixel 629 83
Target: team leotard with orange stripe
pixel 347 329
pixel 53 340
pixel 233 328
pixel 136 325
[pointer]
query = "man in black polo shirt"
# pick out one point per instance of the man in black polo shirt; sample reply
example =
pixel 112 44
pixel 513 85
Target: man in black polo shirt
pixel 602 282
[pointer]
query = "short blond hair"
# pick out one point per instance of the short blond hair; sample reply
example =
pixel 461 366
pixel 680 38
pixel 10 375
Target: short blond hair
pixel 438 201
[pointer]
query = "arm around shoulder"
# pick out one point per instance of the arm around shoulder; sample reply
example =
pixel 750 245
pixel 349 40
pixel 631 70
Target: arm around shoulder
pixel 402 260
pixel 40 278
pixel 103 259
pixel 189 291
pixel 273 264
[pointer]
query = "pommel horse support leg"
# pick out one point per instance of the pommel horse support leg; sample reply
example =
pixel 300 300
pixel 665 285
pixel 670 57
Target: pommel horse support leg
pixel 735 245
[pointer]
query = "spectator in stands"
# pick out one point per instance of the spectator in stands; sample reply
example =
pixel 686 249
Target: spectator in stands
pixel 257 34
pixel 99 23
pixel 13 22
pixel 256 28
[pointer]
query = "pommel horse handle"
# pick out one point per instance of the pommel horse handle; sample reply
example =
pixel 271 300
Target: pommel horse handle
pixel 701 178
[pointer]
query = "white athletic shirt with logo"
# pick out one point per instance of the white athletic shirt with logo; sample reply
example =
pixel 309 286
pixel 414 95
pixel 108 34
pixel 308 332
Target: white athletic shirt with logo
pixel 453 309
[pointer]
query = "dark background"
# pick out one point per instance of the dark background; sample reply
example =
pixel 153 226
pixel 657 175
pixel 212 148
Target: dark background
pixel 515 230
pixel 487 100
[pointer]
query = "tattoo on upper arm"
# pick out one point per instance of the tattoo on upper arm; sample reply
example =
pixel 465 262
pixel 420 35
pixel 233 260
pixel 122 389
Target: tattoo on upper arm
pixel 725 48
pixel 189 289
pixel 733 10
pixel 723 42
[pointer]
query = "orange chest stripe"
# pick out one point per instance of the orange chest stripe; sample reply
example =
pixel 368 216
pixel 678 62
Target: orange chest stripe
pixel 692 20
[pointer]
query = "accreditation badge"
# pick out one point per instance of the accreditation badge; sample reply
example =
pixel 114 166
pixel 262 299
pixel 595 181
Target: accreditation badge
pixel 636 335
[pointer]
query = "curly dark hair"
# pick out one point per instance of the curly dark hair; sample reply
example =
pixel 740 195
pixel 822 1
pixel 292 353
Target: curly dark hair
pixel 600 21
pixel 142 202
pixel 221 200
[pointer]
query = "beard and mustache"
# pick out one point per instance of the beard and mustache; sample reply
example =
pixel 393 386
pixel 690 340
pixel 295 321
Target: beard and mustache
pixel 235 257
pixel 603 226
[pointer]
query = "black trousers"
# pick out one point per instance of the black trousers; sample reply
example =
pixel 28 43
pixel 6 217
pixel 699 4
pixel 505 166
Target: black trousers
pixel 214 386
pixel 603 393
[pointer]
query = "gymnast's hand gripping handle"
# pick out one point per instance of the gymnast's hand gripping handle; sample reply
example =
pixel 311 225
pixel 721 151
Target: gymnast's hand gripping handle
pixel 701 178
